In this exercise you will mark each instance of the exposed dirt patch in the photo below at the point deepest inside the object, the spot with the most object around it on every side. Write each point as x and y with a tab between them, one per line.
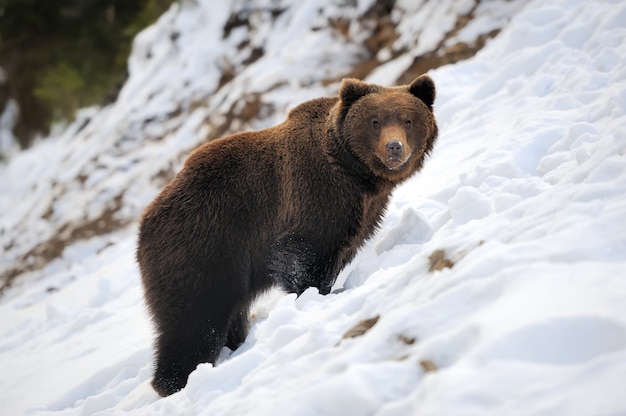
428	366
442	55
406	340
67	235
383	35
361	328
449	55
439	261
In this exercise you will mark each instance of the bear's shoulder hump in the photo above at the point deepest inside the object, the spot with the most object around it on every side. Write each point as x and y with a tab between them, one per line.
316	108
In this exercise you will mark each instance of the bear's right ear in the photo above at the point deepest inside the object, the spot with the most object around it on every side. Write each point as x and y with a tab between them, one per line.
352	89
423	87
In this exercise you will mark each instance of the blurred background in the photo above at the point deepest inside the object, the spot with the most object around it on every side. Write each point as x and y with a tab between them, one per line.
57	56
60	55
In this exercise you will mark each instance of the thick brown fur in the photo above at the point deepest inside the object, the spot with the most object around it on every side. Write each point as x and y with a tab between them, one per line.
286	206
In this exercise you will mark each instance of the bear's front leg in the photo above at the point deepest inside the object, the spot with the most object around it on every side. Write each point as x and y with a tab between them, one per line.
296	265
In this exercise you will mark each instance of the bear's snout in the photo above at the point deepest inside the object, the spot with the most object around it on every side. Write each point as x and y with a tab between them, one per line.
395	149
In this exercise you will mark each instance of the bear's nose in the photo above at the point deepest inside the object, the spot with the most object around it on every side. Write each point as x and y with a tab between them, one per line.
395	149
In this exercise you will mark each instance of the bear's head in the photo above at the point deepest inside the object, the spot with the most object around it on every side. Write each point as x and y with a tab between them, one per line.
389	129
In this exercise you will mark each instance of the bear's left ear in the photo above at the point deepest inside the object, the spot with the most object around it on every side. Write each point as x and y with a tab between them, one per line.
423	87
352	89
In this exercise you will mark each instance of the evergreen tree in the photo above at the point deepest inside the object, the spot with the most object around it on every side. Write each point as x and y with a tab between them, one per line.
60	55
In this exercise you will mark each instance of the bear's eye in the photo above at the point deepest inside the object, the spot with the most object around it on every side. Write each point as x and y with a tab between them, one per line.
408	124
376	124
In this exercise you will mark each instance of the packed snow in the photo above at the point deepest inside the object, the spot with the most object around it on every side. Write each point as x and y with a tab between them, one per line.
495	286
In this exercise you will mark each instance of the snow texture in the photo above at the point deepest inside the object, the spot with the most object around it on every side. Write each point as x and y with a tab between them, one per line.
521	310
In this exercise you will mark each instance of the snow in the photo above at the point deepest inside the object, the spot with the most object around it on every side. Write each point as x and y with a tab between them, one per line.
8	119
524	195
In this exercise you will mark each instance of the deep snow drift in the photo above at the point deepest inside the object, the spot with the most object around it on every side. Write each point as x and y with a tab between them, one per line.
498	278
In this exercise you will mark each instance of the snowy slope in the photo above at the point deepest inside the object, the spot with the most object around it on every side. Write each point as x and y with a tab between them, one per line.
498	278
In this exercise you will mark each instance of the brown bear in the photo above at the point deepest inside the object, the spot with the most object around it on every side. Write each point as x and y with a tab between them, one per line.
288	206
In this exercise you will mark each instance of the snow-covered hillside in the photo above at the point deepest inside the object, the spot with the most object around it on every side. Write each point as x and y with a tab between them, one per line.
495	286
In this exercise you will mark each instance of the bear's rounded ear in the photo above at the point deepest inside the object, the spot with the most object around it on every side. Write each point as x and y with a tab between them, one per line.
423	87
352	89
